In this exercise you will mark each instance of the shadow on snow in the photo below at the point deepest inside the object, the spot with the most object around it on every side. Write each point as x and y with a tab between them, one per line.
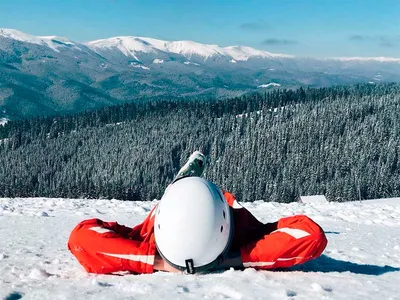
13	296
327	264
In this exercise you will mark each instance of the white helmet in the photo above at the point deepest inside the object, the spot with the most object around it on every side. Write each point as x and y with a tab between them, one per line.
193	226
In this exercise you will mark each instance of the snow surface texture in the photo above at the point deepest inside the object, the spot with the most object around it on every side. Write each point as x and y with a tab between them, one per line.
313	199
362	260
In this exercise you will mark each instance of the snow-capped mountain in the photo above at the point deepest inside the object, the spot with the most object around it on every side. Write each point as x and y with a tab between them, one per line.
376	59
53	42
51	74
133	46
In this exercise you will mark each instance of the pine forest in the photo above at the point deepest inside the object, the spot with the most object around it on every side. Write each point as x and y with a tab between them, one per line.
339	141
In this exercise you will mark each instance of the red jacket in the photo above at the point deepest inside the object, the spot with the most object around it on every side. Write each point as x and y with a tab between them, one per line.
107	247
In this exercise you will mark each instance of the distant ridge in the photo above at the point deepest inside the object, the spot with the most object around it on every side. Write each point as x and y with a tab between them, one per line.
128	45
50	75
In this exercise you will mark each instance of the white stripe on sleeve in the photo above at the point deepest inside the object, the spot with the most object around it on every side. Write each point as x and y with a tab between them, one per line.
267	263
100	229
296	233
147	259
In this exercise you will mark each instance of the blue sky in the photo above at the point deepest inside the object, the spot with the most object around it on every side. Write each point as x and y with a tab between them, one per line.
304	27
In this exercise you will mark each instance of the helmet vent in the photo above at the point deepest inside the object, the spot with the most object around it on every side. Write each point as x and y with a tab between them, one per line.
223	213
222	228
159	227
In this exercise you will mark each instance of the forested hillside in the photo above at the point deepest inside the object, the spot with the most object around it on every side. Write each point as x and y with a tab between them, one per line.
340	141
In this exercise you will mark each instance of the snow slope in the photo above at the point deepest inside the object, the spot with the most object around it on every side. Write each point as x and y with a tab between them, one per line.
53	42
268	85
132	46
362	260
378	59
3	121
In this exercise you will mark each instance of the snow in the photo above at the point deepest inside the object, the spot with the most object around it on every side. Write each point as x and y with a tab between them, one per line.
312	199
53	42
362	260
386	201
3	121
136	65
243	53
131	46
4	141
128	45
190	48
114	124
190	63
258	112
268	85
19	36
158	61
368	59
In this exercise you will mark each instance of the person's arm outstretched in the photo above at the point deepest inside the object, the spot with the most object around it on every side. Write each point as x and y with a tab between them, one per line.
105	247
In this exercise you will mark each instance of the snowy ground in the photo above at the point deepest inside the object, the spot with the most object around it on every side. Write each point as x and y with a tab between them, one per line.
362	260
3	121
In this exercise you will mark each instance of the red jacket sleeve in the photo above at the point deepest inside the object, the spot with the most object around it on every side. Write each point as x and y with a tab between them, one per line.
296	240
246	226
107	247
290	241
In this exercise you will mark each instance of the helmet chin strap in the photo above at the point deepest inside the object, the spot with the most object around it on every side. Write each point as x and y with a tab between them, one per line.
190	266
191	269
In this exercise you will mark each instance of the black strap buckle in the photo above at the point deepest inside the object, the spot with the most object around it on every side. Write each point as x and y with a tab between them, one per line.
190	266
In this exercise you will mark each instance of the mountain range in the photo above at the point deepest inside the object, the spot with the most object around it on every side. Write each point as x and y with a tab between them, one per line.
54	75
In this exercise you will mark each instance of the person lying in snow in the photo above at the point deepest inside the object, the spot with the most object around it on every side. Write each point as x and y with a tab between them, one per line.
196	227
